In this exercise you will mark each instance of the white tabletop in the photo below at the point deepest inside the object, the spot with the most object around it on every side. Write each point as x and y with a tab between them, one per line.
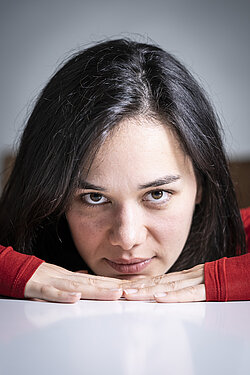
122	337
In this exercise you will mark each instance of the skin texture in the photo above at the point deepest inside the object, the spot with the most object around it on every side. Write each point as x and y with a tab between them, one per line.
122	217
184	286
124	221
53	283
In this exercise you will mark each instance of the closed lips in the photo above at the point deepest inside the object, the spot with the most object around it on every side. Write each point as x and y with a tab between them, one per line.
129	266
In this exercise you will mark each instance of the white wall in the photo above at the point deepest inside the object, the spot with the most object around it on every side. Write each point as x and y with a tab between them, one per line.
210	37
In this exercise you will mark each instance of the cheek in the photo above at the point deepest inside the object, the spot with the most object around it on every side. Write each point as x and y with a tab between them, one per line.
172	230
87	232
171	235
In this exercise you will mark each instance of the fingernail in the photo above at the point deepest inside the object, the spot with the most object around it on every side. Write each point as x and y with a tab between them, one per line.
75	294
130	291
159	295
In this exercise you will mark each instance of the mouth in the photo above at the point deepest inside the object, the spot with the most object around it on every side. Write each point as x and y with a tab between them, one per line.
129	266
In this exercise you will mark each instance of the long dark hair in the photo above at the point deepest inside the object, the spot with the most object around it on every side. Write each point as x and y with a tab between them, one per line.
77	109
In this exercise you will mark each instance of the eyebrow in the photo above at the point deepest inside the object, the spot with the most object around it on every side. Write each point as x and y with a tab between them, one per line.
155	183
86	185
160	181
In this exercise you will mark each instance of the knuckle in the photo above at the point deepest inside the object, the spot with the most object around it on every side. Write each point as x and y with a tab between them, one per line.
159	279
74	285
173	285
44	290
91	281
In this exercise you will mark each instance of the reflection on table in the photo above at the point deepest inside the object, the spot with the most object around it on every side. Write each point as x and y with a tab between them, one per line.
124	337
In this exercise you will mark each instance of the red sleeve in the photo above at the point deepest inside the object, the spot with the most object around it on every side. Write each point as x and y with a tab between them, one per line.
228	279
15	271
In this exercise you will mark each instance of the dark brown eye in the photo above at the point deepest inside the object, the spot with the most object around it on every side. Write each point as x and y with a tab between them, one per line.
158	194
95	197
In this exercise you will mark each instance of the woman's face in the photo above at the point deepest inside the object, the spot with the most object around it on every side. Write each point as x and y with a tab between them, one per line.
134	214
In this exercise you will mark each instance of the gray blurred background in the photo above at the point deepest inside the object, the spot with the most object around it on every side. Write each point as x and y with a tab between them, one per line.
210	37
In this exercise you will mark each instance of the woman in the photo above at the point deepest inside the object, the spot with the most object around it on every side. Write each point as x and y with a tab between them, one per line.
121	172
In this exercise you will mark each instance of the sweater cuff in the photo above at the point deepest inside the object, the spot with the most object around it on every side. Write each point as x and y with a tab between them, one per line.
16	270
215	280
228	279
238	278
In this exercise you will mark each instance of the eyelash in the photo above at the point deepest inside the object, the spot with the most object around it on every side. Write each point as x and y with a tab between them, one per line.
153	201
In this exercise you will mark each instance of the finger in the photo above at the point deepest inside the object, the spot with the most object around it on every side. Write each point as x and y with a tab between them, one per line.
94	293
190	294
88	289
50	293
156	280
60	272
197	271
139	294
145	293
98	281
70	291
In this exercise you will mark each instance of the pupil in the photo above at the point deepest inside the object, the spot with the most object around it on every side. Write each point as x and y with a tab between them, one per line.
95	197
157	194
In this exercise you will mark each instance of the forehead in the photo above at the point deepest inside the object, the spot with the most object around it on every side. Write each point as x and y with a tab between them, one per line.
140	147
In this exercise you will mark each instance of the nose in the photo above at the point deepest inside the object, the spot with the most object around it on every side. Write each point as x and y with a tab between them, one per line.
128	228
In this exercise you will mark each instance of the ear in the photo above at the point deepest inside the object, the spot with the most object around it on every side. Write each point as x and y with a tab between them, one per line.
198	193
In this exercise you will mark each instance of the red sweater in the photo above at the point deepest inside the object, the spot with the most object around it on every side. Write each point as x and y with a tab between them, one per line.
226	279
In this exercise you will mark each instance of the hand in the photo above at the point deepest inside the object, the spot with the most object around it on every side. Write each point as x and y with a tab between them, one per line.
183	286
53	283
